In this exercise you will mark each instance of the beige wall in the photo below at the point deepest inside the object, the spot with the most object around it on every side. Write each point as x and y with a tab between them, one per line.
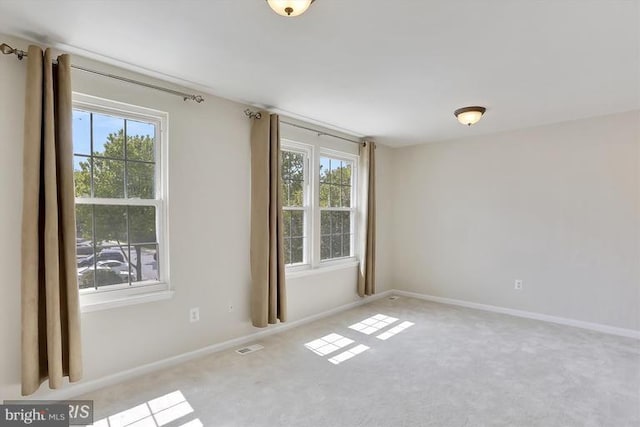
555	206
209	195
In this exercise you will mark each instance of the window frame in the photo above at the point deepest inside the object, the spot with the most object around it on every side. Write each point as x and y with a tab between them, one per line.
124	294
338	155
313	211
307	152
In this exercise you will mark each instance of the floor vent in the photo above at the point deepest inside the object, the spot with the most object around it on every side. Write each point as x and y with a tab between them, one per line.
249	349
394	297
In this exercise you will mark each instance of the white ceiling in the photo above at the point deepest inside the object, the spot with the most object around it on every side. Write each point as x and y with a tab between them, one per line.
394	70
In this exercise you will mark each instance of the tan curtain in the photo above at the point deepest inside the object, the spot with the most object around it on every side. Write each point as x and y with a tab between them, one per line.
367	223
50	308
268	293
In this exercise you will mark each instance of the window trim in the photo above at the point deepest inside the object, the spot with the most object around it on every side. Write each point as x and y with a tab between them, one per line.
312	184
120	295
307	151
338	155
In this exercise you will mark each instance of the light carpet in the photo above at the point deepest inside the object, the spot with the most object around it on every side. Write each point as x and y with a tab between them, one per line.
444	366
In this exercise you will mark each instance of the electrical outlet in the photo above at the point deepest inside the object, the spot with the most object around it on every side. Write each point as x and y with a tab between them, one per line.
194	314
518	285
230	307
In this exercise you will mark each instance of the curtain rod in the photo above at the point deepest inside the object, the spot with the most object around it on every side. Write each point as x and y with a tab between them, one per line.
8	50
258	115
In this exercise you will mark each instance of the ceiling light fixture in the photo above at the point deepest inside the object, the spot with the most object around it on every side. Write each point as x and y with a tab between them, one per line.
289	8
469	115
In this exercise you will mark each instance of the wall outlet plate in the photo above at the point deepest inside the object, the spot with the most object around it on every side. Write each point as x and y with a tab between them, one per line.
517	285
194	314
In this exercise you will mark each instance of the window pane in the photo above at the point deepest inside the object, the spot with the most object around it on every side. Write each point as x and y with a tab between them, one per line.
144	262
295	193
325	222
292	194
141	141
335	230
334	196
140	180
106	276
111	266
82	176
346	245
346	196
346	173
325	169
86	261
111	224
84	253
115	244
297	224
84	244
324	195
293	224
292	178
339	172
86	277
335	182
297	250
81	132
108	136
336	166
108	253
285	193
336	246
286	223
325	247
336	222
285	166
84	224
108	178
346	222
292	166
142	224
286	247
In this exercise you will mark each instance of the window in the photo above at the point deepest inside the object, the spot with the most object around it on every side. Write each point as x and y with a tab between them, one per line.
336	212
318	207
120	195
294	205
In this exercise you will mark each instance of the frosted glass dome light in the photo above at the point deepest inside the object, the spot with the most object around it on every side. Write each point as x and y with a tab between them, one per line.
469	115
290	8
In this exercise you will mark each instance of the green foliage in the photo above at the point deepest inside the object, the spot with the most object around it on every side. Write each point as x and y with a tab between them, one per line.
109	182
111	175
335	191
109	169
102	276
335	184
292	178
335	187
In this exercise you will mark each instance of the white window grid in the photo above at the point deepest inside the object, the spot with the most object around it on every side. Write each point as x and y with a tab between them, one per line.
333	155
312	241
160	120
306	206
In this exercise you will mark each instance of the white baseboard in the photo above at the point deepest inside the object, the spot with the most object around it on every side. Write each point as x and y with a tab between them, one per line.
82	387
629	333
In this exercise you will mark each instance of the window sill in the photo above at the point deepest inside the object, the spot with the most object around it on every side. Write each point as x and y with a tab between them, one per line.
325	268
98	301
